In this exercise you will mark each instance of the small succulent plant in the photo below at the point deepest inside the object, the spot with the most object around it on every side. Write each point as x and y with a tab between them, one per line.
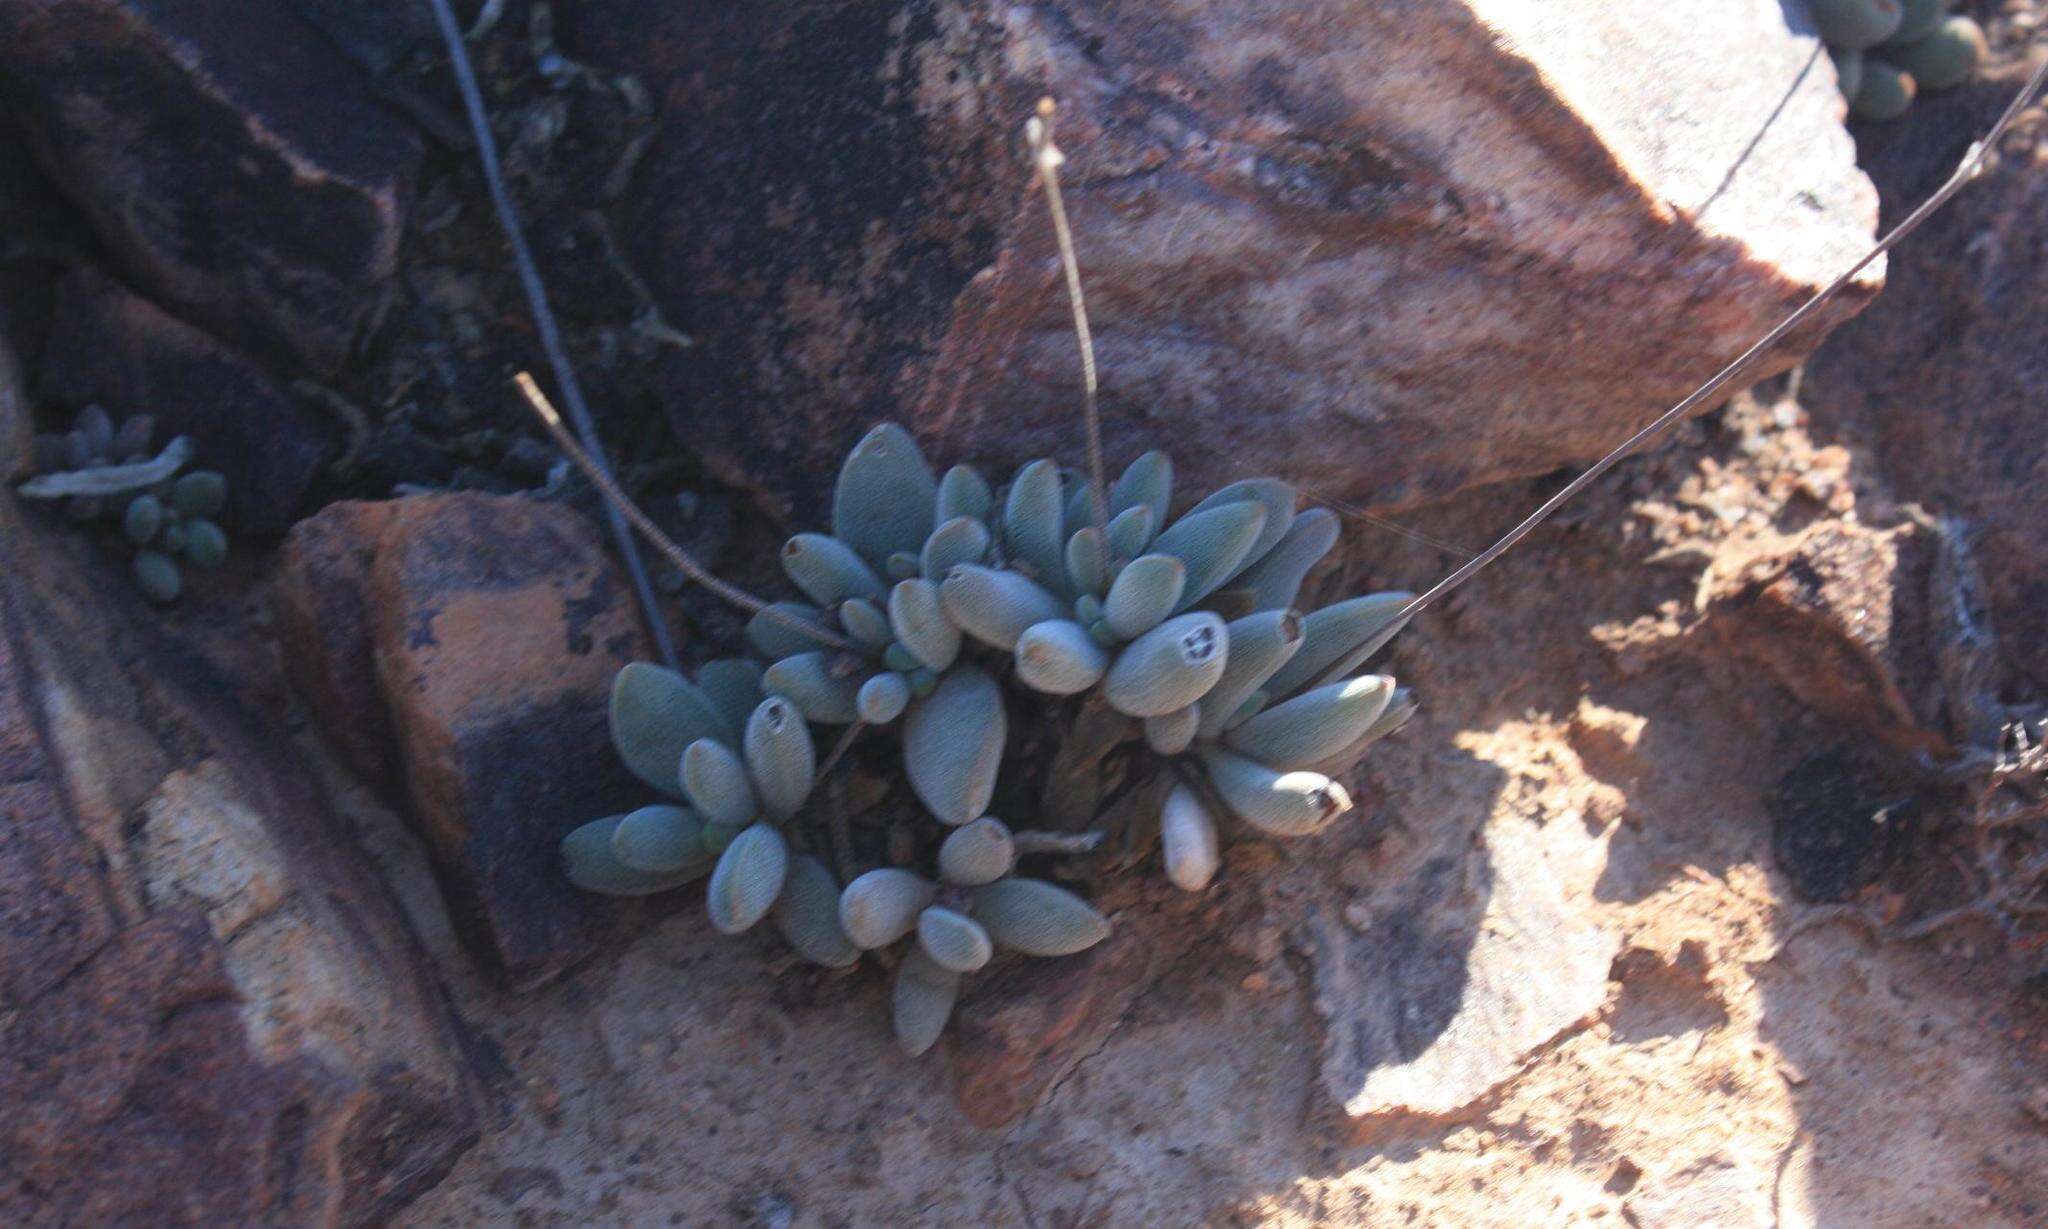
1143	680
97	471
1887	52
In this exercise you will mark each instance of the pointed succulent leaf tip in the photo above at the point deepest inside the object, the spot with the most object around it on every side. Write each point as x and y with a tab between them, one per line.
953	744
1856	24
995	605
921	1002
1087	562
1058	658
1338	638
748	879
918	617
1187	839
953	940
865	622
964	492
886	496
1147	483
1214	543
1169	667
881	906
1281	803
655	714
773	637
1032	522
824	685
1037	918
1259	645
883	698
1171	733
960	540
142	520
808	915
203	492
1314	725
1145	592
977	853
1275	496
827	570
1399	709
593	866
1942	59
1130	532
780	757
1275	580
659	839
734	687
716	783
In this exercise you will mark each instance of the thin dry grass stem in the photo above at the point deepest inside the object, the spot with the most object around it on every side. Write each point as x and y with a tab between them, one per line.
1046	157
627	509
1972	161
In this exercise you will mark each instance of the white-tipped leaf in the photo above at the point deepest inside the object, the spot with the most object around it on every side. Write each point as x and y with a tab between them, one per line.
1280	803
921	1002
977	853
716	782
1187	839
1314	725
780	757
808	914
1259	645
886	496
953	744
880	907
748	879
655	713
1037	918
1143	594
1060	658
995	605
953	940
1169	667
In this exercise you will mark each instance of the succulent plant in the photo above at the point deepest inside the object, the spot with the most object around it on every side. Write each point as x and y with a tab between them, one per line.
96	470
1888	52
1155	665
1883	91
1942	58
1857	25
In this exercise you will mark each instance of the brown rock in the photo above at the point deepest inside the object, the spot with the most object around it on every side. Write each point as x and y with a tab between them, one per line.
1386	250
1024	1026
1839	616
476	637
323	619
110	347
239	168
215	1014
1943	379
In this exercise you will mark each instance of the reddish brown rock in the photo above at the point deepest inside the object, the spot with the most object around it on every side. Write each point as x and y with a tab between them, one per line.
476	637
1943	378
1839	616
1023	1026
236	164
110	347
1388	250
214	1013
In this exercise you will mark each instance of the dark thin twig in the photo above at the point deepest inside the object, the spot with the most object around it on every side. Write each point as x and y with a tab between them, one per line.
630	513
1963	174
544	325
1047	158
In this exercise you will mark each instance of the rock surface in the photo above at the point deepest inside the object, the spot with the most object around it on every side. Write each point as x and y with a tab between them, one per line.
469	642
214	1013
1943	381
1387	250
109	347
239	168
